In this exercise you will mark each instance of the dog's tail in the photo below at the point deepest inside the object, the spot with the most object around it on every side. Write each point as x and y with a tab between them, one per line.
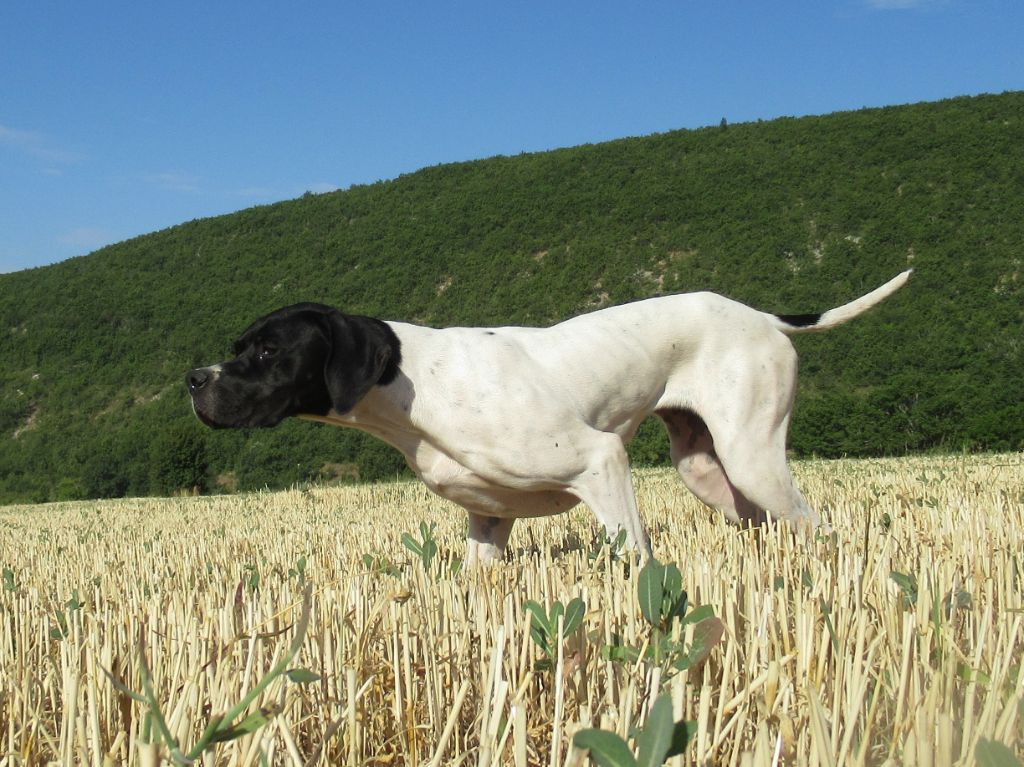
810	323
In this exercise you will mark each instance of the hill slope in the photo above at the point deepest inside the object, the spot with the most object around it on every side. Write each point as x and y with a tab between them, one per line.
791	215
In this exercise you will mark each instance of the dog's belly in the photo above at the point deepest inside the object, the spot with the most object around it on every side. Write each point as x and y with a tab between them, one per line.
451	480
497	501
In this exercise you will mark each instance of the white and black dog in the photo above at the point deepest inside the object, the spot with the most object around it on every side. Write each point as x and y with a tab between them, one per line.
516	422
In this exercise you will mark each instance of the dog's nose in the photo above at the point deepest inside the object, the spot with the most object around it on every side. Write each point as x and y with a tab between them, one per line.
197	379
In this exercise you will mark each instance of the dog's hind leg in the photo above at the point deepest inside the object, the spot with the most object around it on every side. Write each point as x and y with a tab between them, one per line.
745	420
754	459
757	466
693	455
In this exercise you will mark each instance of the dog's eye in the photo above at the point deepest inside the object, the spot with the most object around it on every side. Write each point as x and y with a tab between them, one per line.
266	352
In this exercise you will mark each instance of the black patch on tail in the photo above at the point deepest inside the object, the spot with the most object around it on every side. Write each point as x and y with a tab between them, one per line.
800	320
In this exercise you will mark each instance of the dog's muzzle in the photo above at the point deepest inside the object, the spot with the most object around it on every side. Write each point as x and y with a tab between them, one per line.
198	381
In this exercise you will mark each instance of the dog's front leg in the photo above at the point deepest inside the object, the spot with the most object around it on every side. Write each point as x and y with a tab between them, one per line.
487	538
607	488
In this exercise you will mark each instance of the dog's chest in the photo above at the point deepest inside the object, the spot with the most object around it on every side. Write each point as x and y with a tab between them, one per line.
453	481
448	478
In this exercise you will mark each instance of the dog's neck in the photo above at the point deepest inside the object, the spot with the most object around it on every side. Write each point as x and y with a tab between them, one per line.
383	412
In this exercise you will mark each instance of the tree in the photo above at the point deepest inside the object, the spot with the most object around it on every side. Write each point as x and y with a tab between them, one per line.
178	459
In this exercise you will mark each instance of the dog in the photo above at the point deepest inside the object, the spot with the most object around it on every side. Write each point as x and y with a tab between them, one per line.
512	422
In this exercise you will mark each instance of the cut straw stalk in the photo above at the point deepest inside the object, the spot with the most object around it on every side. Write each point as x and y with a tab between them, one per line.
392	672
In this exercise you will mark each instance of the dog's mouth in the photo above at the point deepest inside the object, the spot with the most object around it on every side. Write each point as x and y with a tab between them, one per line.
242	422
205	418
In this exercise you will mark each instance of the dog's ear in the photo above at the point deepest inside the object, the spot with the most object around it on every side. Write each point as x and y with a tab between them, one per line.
363	352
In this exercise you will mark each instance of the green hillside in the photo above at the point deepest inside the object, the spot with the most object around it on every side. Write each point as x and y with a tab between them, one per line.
790	215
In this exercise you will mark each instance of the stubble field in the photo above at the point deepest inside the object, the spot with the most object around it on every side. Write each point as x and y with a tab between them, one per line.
896	641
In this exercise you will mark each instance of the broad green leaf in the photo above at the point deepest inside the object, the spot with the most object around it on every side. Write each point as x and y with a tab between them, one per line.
654	741
540	617
650	591
962	600
674	599
907	584
540	627
574	613
619	653
430	547
675	609
706	635
557	609
968	674
410	543
606	748
992	753
698	614
540	638
826	613
302	676
806	580
673	579
682	733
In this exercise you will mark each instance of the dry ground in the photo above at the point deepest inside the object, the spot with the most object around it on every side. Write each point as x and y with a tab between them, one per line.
826	657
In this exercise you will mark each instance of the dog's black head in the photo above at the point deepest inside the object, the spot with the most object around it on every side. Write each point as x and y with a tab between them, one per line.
306	359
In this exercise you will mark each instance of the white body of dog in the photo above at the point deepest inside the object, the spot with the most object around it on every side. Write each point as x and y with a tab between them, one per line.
514	422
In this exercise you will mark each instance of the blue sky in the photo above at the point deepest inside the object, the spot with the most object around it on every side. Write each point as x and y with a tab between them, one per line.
121	118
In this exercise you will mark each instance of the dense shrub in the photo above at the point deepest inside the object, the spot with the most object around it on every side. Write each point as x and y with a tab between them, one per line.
788	216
